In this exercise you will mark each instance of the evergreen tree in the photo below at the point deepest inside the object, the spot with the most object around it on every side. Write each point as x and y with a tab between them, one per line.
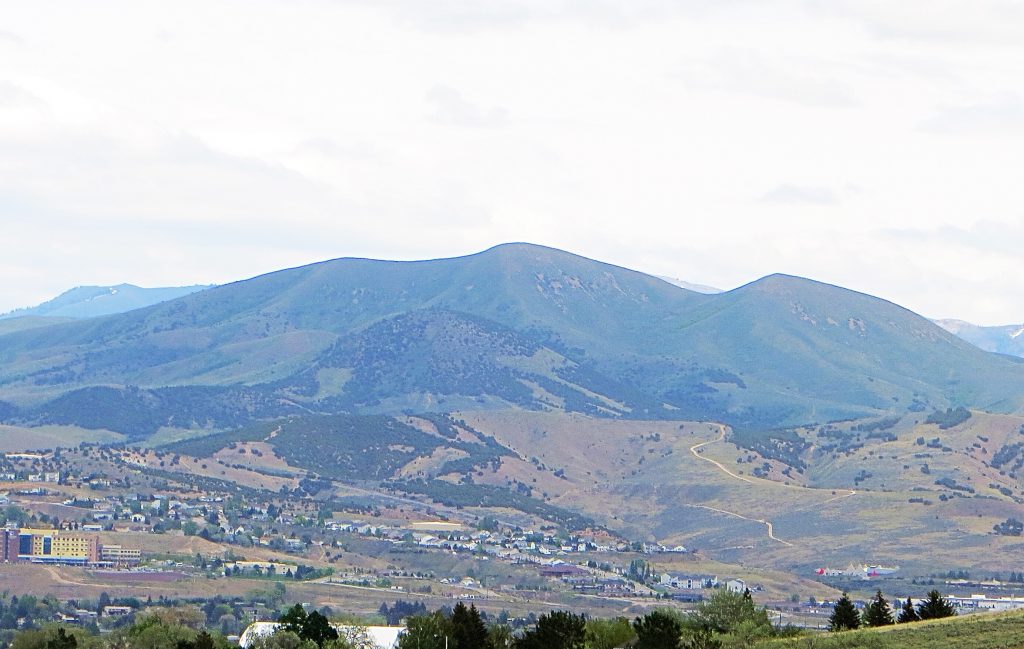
878	612
935	607
62	640
844	615
468	629
555	630
293	620
907	613
657	630
318	629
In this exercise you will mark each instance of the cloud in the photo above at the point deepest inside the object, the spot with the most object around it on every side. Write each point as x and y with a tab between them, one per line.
998	116
806	194
984	237
11	37
749	72
13	96
450	107
937	22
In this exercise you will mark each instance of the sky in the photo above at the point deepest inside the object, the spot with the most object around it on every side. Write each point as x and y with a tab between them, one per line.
874	145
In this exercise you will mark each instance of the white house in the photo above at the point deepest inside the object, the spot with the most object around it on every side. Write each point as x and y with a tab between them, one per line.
735	585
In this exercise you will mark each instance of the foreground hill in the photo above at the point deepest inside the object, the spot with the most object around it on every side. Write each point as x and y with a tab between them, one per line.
517	325
980	631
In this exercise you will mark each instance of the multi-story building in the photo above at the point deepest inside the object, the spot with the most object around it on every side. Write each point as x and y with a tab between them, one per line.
119	555
55	546
62	547
9	545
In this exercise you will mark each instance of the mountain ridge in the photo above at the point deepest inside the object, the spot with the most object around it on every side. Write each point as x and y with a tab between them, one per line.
516	325
93	301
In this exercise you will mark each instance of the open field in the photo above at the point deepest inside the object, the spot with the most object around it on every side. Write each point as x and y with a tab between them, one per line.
77	583
19	438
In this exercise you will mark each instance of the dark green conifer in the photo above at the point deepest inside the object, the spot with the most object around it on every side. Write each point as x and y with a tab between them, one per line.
878	612
844	615
907	613
935	607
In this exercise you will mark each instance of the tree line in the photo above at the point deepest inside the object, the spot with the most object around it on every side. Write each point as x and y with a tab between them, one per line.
879	612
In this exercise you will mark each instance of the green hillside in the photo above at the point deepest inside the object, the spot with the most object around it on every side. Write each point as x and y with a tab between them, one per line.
981	631
515	326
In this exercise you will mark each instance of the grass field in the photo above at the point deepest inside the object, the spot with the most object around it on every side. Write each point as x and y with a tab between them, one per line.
18	438
979	631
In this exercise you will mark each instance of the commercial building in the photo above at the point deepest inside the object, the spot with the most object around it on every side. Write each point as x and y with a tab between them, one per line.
119	556
62	547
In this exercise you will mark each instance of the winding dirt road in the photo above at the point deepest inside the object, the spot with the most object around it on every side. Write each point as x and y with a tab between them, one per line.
770	527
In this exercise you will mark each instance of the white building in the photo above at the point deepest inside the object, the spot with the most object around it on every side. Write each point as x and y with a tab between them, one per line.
364	637
735	585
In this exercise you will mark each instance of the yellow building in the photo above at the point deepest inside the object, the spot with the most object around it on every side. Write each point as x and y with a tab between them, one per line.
58	545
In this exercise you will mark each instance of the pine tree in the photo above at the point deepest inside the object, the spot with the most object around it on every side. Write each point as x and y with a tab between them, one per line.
935	607
657	630
844	615
878	612
468	629
908	613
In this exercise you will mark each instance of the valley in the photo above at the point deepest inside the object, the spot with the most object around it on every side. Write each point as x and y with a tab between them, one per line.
576	435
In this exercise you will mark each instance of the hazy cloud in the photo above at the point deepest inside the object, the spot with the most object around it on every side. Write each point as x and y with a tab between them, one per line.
752	73
13	96
811	195
450	107
1001	115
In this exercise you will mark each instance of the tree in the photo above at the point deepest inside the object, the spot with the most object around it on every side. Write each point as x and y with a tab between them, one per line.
701	639
468	629
844	615
608	633
935	607
908	613
293	620
499	636
878	612
280	639
555	630
657	630
318	629
725	611
62	640
425	632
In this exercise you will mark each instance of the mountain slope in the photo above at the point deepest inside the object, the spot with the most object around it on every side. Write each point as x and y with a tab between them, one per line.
1008	339
517	325
92	301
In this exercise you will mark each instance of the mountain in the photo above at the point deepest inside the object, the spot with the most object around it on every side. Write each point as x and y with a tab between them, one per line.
92	301
698	288
518	326
1007	339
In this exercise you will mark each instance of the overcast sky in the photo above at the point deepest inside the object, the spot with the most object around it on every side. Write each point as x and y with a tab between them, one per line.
874	145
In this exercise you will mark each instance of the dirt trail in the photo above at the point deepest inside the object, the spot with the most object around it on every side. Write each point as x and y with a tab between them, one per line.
695	451
768	524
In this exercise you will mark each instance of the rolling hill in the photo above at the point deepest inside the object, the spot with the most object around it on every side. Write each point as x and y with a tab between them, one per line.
518	326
